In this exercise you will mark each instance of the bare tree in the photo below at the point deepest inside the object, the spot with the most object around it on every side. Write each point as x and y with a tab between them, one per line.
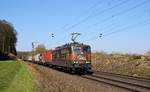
40	48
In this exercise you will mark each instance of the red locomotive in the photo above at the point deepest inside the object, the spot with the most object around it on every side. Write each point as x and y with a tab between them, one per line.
74	57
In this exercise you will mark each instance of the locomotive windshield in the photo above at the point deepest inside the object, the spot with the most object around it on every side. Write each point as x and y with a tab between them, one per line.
77	50
80	50
87	49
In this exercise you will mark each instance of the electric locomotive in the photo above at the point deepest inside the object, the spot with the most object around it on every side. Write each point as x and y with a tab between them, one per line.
75	57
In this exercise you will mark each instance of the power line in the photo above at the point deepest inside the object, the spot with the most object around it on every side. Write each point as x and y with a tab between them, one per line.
91	16
122	12
92	7
100	12
113	27
125	11
78	17
117	31
124	29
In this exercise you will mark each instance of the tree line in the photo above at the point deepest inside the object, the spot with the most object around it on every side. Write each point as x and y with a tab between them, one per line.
8	38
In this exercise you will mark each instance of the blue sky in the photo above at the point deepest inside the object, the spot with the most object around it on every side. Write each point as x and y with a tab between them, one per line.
124	24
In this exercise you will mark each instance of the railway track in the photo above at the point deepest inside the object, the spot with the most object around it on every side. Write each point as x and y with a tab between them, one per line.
127	82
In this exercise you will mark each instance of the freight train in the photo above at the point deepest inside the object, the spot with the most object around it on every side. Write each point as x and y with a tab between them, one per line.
74	57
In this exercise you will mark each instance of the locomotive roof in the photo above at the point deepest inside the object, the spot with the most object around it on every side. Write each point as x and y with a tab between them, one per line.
71	44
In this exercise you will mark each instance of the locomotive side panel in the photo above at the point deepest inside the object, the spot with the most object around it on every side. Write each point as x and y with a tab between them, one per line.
61	57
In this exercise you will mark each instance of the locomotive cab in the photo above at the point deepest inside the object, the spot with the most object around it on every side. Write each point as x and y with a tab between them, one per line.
82	57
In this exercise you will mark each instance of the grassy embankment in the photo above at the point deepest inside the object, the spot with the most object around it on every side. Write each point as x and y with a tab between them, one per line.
14	77
127	64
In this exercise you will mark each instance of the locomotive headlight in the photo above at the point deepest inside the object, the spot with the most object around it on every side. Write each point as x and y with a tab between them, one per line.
75	62
88	62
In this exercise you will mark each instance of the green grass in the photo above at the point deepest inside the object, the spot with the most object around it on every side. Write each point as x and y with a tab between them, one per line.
15	77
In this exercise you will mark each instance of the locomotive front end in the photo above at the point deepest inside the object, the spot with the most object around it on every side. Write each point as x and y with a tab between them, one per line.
82	58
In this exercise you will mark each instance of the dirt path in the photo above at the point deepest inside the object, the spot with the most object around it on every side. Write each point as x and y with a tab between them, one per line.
50	80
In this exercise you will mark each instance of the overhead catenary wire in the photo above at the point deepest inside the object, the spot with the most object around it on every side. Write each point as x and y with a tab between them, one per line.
124	29
61	30
121	13
127	10
113	27
94	15
117	31
78	17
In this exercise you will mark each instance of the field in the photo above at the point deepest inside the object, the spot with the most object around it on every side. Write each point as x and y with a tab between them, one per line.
127	64
14	77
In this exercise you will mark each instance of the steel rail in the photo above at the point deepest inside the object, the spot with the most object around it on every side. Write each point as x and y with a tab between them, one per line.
127	82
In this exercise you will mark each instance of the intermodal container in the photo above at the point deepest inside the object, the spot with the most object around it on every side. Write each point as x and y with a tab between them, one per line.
47	57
